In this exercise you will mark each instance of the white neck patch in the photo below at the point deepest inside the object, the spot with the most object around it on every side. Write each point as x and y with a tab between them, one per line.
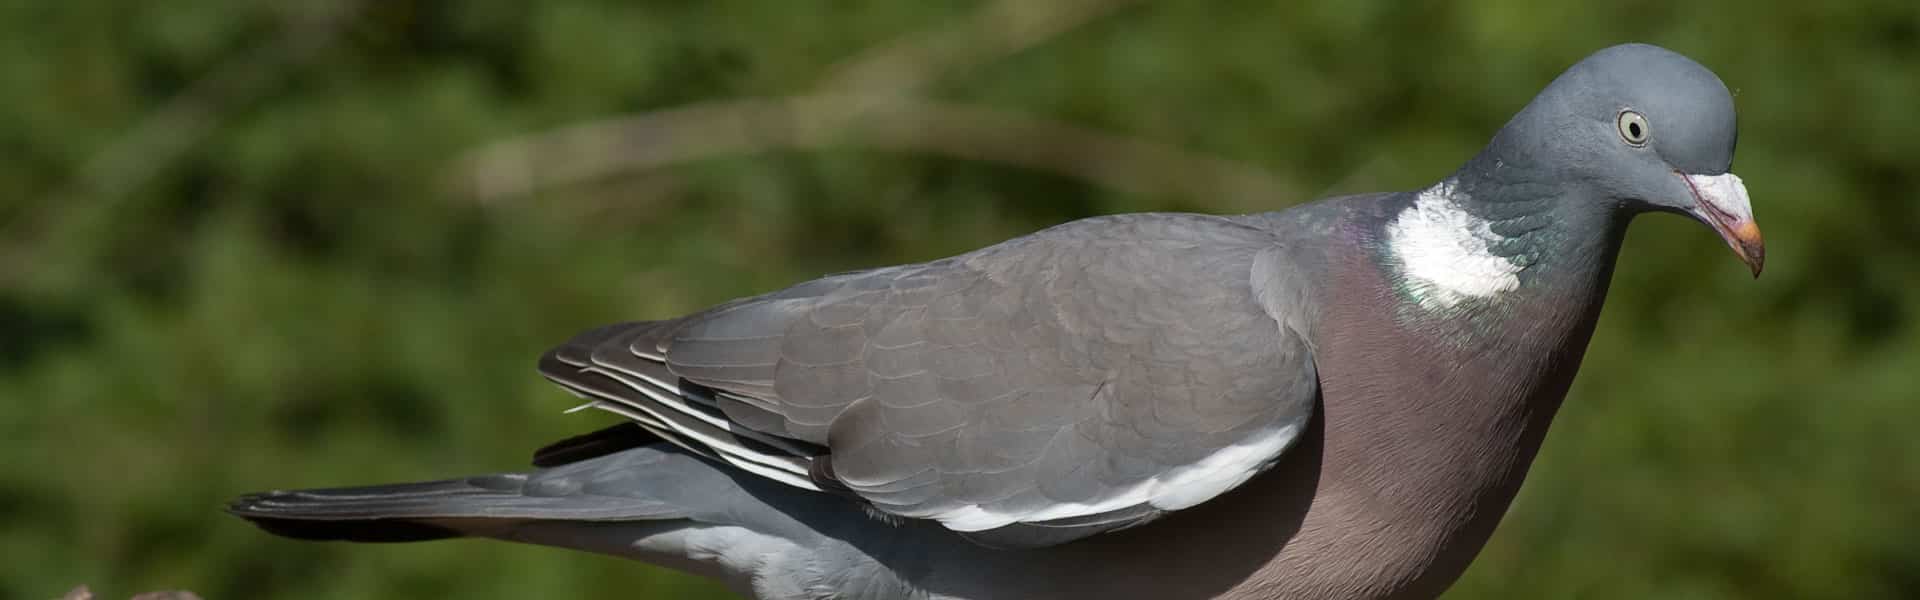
1445	253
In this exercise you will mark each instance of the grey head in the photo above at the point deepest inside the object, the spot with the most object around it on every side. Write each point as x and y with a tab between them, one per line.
1639	128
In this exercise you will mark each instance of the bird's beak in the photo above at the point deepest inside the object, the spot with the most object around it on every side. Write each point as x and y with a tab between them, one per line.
1721	202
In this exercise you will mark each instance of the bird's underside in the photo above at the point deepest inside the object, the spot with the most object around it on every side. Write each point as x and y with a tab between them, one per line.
1026	394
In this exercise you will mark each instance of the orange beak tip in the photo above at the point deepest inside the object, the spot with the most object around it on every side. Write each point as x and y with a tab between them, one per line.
1749	245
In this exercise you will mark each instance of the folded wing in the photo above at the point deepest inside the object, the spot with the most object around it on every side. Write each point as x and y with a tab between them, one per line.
1086	378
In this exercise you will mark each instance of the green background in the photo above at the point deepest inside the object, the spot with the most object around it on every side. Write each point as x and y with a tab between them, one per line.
248	245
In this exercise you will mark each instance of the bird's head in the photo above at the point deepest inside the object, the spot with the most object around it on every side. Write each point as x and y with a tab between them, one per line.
1645	129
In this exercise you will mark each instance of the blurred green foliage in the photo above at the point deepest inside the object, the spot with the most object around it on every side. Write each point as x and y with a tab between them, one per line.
236	256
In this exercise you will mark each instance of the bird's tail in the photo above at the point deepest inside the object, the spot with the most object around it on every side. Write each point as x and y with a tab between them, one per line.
619	487
654	502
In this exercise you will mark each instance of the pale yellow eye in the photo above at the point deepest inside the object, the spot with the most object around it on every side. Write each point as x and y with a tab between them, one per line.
1633	128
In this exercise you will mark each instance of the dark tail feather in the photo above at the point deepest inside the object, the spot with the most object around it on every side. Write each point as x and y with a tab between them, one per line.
376	513
607	488
369	530
593	445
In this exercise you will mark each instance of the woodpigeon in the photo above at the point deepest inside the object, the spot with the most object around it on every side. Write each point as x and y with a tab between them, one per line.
1333	401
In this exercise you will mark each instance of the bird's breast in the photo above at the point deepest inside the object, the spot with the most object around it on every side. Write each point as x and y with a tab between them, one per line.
1430	426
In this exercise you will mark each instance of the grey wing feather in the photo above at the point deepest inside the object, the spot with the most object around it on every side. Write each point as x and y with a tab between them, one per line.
598	365
1083	379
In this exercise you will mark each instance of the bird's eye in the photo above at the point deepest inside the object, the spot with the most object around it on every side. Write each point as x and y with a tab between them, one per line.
1633	128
